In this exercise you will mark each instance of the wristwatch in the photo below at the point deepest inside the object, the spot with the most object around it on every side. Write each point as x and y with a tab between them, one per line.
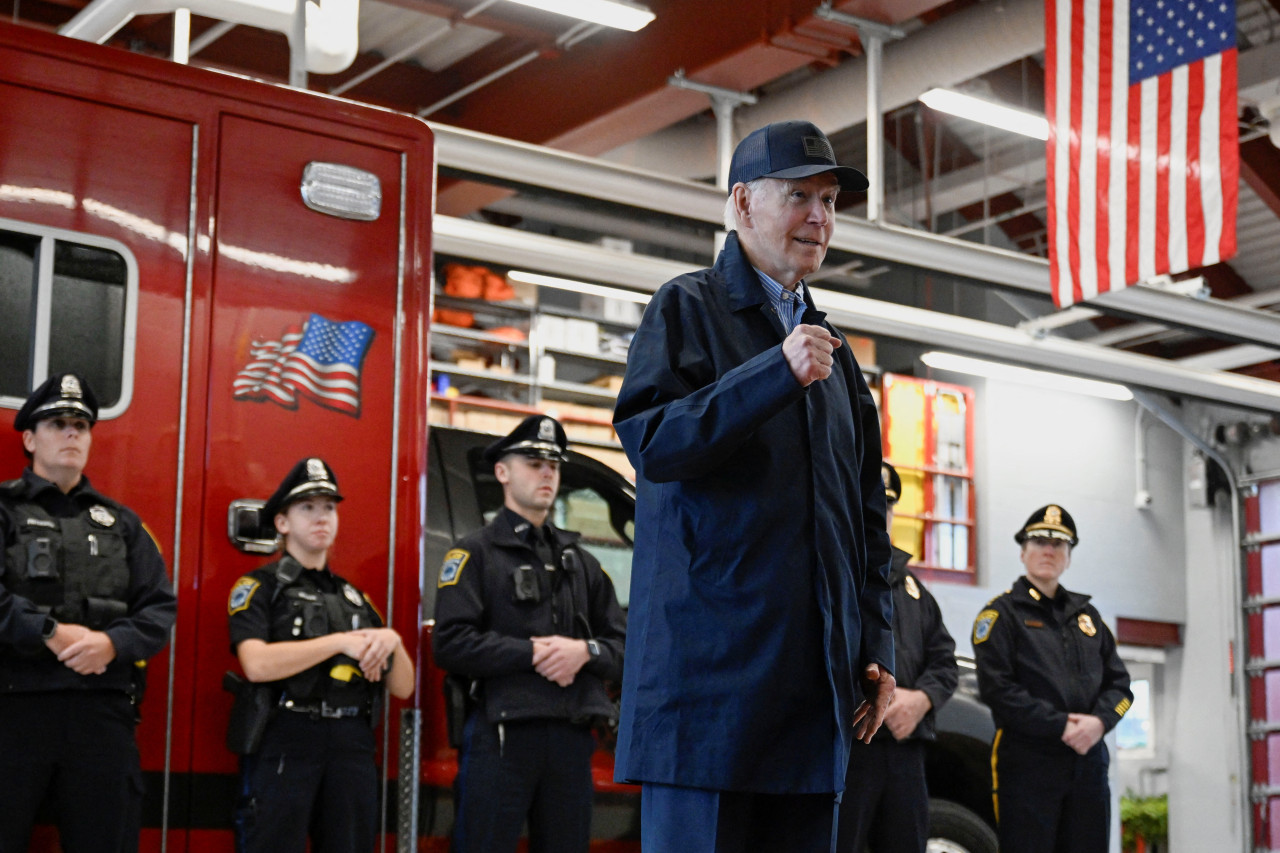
49	628
593	648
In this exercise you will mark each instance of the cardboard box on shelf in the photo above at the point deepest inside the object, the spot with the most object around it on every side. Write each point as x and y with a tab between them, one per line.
608	381
863	349
582	336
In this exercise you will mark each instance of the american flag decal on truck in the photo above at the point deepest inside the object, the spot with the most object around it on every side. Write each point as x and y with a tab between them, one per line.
319	359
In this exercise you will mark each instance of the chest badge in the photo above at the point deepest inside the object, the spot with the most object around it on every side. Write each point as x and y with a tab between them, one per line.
101	516
983	624
913	588
353	595
1086	625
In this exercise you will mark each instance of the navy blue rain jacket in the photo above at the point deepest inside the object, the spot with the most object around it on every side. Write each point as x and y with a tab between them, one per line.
760	586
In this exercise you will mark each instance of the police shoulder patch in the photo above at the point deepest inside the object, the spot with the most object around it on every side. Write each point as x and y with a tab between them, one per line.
983	624
454	562
241	594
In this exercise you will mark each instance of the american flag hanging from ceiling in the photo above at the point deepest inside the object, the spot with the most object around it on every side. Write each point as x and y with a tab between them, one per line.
1143	155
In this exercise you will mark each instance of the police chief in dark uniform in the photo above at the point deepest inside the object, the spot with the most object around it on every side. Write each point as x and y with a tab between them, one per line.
1049	670
84	602
529	615
322	647
886	801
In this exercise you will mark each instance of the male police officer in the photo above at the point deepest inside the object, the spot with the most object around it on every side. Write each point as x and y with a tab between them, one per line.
886	801
1048	667
84	601
528	614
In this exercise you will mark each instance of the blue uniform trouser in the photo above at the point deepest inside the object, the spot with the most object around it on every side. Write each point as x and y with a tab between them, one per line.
311	778
76	748
696	820
1048	799
885	803
539	770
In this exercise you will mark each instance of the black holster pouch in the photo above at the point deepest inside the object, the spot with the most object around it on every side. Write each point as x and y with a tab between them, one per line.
457	704
99	613
249	714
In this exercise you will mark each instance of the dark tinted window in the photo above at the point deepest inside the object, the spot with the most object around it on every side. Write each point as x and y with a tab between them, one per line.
87	294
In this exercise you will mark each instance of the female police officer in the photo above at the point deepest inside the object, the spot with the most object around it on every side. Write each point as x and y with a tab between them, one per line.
1048	667
321	646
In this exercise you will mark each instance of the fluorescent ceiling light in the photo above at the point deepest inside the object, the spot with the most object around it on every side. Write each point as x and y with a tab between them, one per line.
609	13
987	112
579	286
1026	376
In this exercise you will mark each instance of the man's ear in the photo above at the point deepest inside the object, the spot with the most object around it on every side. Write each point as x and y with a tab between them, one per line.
501	471
741	196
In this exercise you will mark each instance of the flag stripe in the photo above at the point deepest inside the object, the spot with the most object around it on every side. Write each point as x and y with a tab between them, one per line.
1191	188
1102	160
1073	148
1117	236
1228	153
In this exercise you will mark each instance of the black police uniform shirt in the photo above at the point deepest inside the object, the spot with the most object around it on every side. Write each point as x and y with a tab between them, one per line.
263	606
1040	658
924	651
110	577
494	593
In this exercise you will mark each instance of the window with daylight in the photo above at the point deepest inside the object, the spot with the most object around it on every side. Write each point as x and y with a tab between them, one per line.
67	299
927	432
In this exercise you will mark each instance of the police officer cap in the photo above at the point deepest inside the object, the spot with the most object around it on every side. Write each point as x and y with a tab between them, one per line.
790	149
539	436
1049	522
311	477
892	483
61	395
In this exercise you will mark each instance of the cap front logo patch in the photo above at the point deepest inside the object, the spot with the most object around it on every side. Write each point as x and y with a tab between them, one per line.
71	387
1053	515
547	430
315	470
816	146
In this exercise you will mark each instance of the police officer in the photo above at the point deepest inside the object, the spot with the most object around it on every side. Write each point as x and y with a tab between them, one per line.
321	645
84	602
1048	667
886	802
527	613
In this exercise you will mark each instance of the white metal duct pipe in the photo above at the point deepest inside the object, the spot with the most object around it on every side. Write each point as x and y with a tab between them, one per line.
332	25
561	257
972	42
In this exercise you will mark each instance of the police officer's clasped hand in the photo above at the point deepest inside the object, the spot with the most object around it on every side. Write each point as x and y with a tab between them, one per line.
375	646
906	711
808	351
87	654
559	658
877	685
1083	731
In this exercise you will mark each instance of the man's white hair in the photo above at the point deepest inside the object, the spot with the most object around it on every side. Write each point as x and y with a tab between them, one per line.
730	214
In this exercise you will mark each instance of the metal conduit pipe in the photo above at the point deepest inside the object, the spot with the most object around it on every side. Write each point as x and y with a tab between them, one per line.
859	314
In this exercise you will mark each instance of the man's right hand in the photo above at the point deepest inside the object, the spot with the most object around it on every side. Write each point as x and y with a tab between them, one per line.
64	635
808	351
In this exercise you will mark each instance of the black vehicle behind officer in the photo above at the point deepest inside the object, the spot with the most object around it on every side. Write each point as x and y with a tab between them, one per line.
886	801
531	617
84	602
320	645
1048	667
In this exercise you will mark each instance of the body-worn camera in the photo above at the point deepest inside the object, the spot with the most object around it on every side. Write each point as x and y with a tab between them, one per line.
526	584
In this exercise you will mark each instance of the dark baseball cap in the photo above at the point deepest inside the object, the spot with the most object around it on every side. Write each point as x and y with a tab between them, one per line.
790	149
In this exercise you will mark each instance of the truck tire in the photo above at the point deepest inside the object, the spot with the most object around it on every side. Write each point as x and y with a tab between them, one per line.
955	829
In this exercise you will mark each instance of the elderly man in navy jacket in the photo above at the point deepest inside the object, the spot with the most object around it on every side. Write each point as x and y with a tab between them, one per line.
759	593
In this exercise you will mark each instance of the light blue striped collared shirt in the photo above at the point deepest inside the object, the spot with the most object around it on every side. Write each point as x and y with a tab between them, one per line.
788	305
